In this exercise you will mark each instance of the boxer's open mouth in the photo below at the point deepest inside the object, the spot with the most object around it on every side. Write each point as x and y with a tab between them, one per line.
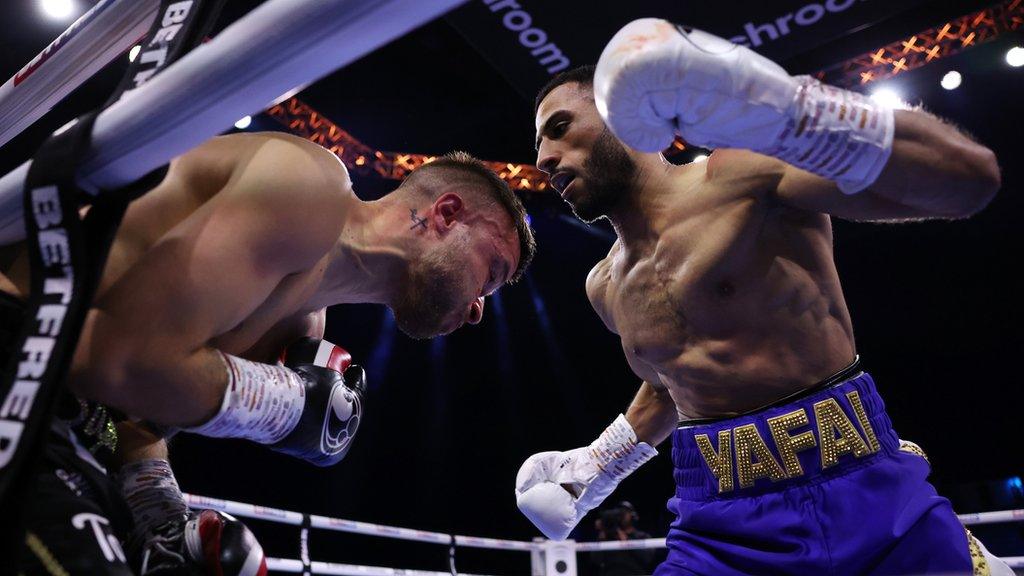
561	180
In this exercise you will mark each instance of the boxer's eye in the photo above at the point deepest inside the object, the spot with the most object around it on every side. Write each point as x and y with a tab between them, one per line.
559	130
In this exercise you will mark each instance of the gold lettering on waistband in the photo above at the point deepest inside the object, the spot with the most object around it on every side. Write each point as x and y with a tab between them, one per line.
719	462
749	444
862	417
788	445
831	418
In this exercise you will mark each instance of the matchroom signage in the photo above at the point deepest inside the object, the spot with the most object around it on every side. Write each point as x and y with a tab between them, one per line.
530	40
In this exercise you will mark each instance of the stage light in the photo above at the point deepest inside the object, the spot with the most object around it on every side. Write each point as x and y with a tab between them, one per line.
244	122
134	53
700	157
57	9
952	80
887	97
1015	56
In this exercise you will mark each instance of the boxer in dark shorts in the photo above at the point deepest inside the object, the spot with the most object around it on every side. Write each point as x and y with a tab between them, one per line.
723	289
238	252
77	518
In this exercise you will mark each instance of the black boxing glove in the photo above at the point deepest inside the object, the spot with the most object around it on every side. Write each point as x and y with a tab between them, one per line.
334	390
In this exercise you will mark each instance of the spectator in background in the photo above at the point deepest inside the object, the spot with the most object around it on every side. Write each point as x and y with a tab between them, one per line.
619	523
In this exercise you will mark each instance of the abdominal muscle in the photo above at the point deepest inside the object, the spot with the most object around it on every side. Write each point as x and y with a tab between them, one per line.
731	308
720	377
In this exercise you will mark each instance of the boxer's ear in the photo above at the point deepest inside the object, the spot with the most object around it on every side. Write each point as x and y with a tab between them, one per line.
448	209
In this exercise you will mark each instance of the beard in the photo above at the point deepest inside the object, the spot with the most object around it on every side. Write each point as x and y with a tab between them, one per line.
609	174
430	296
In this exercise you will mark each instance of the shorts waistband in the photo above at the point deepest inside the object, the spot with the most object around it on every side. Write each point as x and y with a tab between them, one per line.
822	434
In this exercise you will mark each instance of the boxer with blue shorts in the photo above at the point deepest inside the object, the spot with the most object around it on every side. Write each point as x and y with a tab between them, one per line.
818	484
723	289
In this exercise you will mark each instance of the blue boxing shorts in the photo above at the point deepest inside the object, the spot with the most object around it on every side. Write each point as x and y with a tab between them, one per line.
816	485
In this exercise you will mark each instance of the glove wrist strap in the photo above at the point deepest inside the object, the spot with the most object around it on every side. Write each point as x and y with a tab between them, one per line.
837	134
262	402
617	452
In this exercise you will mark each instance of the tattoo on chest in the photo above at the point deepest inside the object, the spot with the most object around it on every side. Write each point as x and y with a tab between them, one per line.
417	220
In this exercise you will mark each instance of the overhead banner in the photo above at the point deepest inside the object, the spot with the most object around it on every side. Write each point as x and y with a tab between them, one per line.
528	41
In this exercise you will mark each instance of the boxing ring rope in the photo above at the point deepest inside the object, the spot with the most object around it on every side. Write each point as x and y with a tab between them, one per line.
97	37
278	46
246	510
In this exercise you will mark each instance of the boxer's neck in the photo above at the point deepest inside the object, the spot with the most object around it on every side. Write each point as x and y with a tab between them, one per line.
637	218
370	261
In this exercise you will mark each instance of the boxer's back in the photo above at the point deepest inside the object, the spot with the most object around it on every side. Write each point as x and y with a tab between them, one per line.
731	300
192	181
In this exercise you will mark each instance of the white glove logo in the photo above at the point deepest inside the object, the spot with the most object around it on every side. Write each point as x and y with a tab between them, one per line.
340	421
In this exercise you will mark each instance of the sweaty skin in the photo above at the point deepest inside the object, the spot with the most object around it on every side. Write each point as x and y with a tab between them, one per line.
240	249
722	284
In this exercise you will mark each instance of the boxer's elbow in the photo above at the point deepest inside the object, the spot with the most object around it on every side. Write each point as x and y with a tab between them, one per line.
988	177
98	378
979	179
117	376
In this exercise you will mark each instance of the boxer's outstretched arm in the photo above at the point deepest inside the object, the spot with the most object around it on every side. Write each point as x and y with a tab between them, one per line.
656	80
144	347
934	171
652	414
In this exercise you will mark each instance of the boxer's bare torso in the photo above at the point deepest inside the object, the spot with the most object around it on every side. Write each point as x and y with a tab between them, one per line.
724	297
187	203
722	284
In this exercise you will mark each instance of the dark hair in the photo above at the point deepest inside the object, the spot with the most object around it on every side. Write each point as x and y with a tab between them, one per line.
461	167
582	75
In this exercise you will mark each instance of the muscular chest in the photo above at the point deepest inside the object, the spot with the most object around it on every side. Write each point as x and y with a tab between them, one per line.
646	303
690	285
260	329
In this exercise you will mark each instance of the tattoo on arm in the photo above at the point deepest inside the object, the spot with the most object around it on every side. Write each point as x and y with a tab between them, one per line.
417	221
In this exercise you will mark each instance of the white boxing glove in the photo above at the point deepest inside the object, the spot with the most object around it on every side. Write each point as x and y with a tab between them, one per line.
656	79
555	490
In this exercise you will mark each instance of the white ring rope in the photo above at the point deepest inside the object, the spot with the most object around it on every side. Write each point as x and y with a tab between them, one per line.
107	30
992	517
278	46
295	567
356	527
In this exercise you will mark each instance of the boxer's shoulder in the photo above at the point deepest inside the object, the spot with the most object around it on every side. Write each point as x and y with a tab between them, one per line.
303	164
289	196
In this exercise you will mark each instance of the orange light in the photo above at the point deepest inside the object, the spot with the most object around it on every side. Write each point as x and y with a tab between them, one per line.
929	45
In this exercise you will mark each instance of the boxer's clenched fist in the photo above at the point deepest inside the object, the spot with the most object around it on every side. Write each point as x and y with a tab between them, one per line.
555	490
656	79
334	401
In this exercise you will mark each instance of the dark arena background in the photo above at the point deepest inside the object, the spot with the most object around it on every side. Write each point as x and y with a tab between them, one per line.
936	305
